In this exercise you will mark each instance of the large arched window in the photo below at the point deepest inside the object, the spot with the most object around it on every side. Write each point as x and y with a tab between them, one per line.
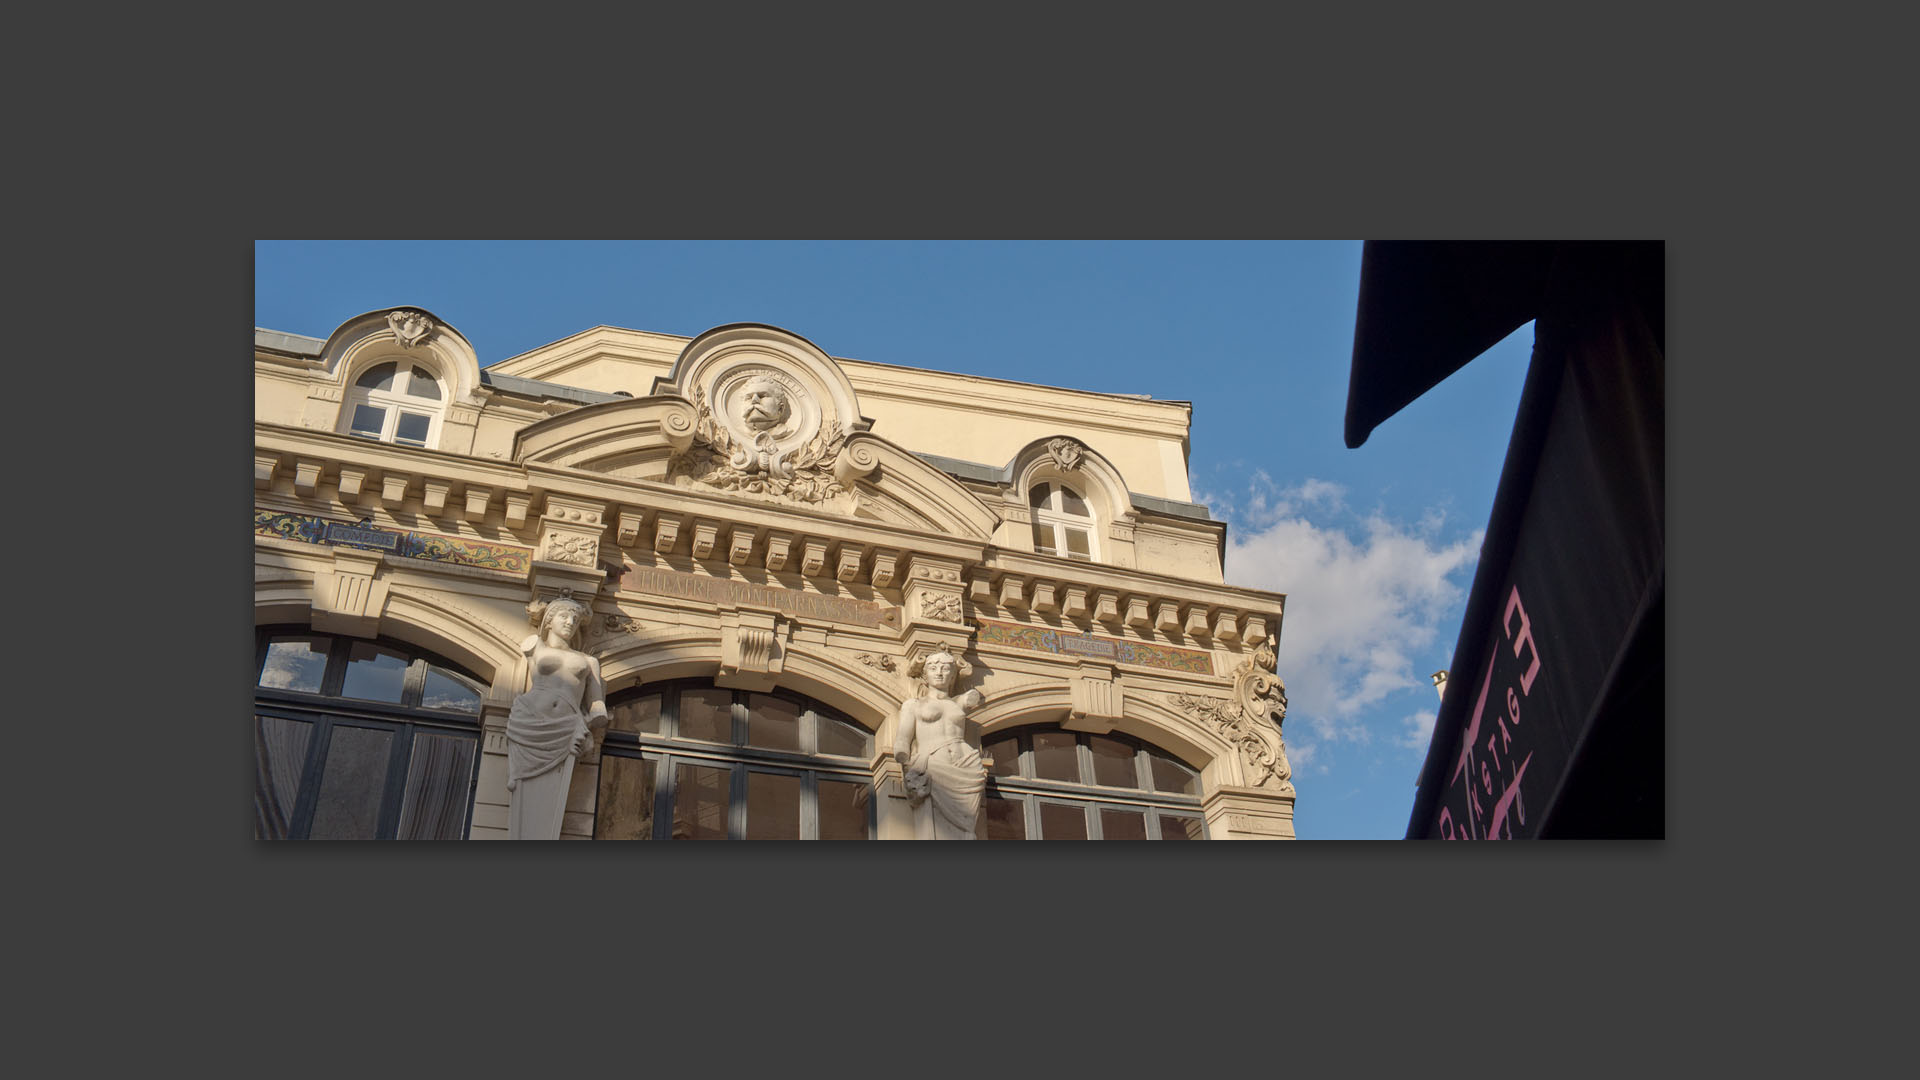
694	761
1063	524
396	403
1047	783
358	740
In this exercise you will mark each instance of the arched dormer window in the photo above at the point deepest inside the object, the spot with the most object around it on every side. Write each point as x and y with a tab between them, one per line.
1063	524
395	402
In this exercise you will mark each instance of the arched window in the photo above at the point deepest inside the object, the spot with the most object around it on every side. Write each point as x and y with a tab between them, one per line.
1062	522
1047	783
360	740
394	403
693	761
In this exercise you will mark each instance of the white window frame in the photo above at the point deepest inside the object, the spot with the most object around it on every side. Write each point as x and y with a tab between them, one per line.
392	401
1056	516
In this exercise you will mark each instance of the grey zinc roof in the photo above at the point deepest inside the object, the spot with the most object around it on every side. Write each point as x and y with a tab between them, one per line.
1003	474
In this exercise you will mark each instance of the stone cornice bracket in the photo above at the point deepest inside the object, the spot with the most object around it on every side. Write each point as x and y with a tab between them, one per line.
753	648
350	598
1251	720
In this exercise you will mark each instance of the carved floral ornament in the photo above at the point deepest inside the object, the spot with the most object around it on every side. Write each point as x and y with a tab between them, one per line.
410	328
1066	452
941	607
1251	719
578	550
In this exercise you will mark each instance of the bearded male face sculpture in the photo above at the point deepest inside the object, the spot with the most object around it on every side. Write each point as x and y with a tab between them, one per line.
763	404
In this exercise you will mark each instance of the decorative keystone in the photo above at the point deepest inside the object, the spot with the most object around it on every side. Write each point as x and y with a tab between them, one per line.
778	546
705	533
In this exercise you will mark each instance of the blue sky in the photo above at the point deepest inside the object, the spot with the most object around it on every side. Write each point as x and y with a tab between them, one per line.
1375	547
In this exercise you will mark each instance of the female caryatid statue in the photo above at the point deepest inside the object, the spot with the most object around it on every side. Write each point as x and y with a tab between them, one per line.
548	727
945	777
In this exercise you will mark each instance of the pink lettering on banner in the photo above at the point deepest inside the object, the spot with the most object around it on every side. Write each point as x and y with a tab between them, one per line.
1525	638
1510	799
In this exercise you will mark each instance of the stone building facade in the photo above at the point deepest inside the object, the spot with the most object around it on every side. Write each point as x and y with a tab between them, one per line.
768	543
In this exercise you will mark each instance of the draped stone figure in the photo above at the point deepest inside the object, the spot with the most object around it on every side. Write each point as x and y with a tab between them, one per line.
945	777
549	726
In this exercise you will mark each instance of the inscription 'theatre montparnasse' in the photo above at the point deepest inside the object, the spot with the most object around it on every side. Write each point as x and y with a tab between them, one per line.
712	590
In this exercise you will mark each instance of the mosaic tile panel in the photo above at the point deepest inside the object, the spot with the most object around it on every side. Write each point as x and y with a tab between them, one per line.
432	547
1066	643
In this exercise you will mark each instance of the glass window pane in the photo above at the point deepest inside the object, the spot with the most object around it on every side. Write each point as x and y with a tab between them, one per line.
1171	776
1006	819
773	723
369	420
1062	822
413	428
1077	546
352	785
842	739
625	808
773	806
1037	498
1112	762
1122	824
439	783
1073	504
639	716
445	690
295	664
707	713
1054	756
1181	827
378	377
280	754
1005	753
1043	538
699	802
374	673
843	810
420	383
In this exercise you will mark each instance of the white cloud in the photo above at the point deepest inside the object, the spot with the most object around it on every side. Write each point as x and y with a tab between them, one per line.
1365	596
1419	729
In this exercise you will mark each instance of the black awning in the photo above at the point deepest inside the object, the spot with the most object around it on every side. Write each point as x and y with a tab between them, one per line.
1553	721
